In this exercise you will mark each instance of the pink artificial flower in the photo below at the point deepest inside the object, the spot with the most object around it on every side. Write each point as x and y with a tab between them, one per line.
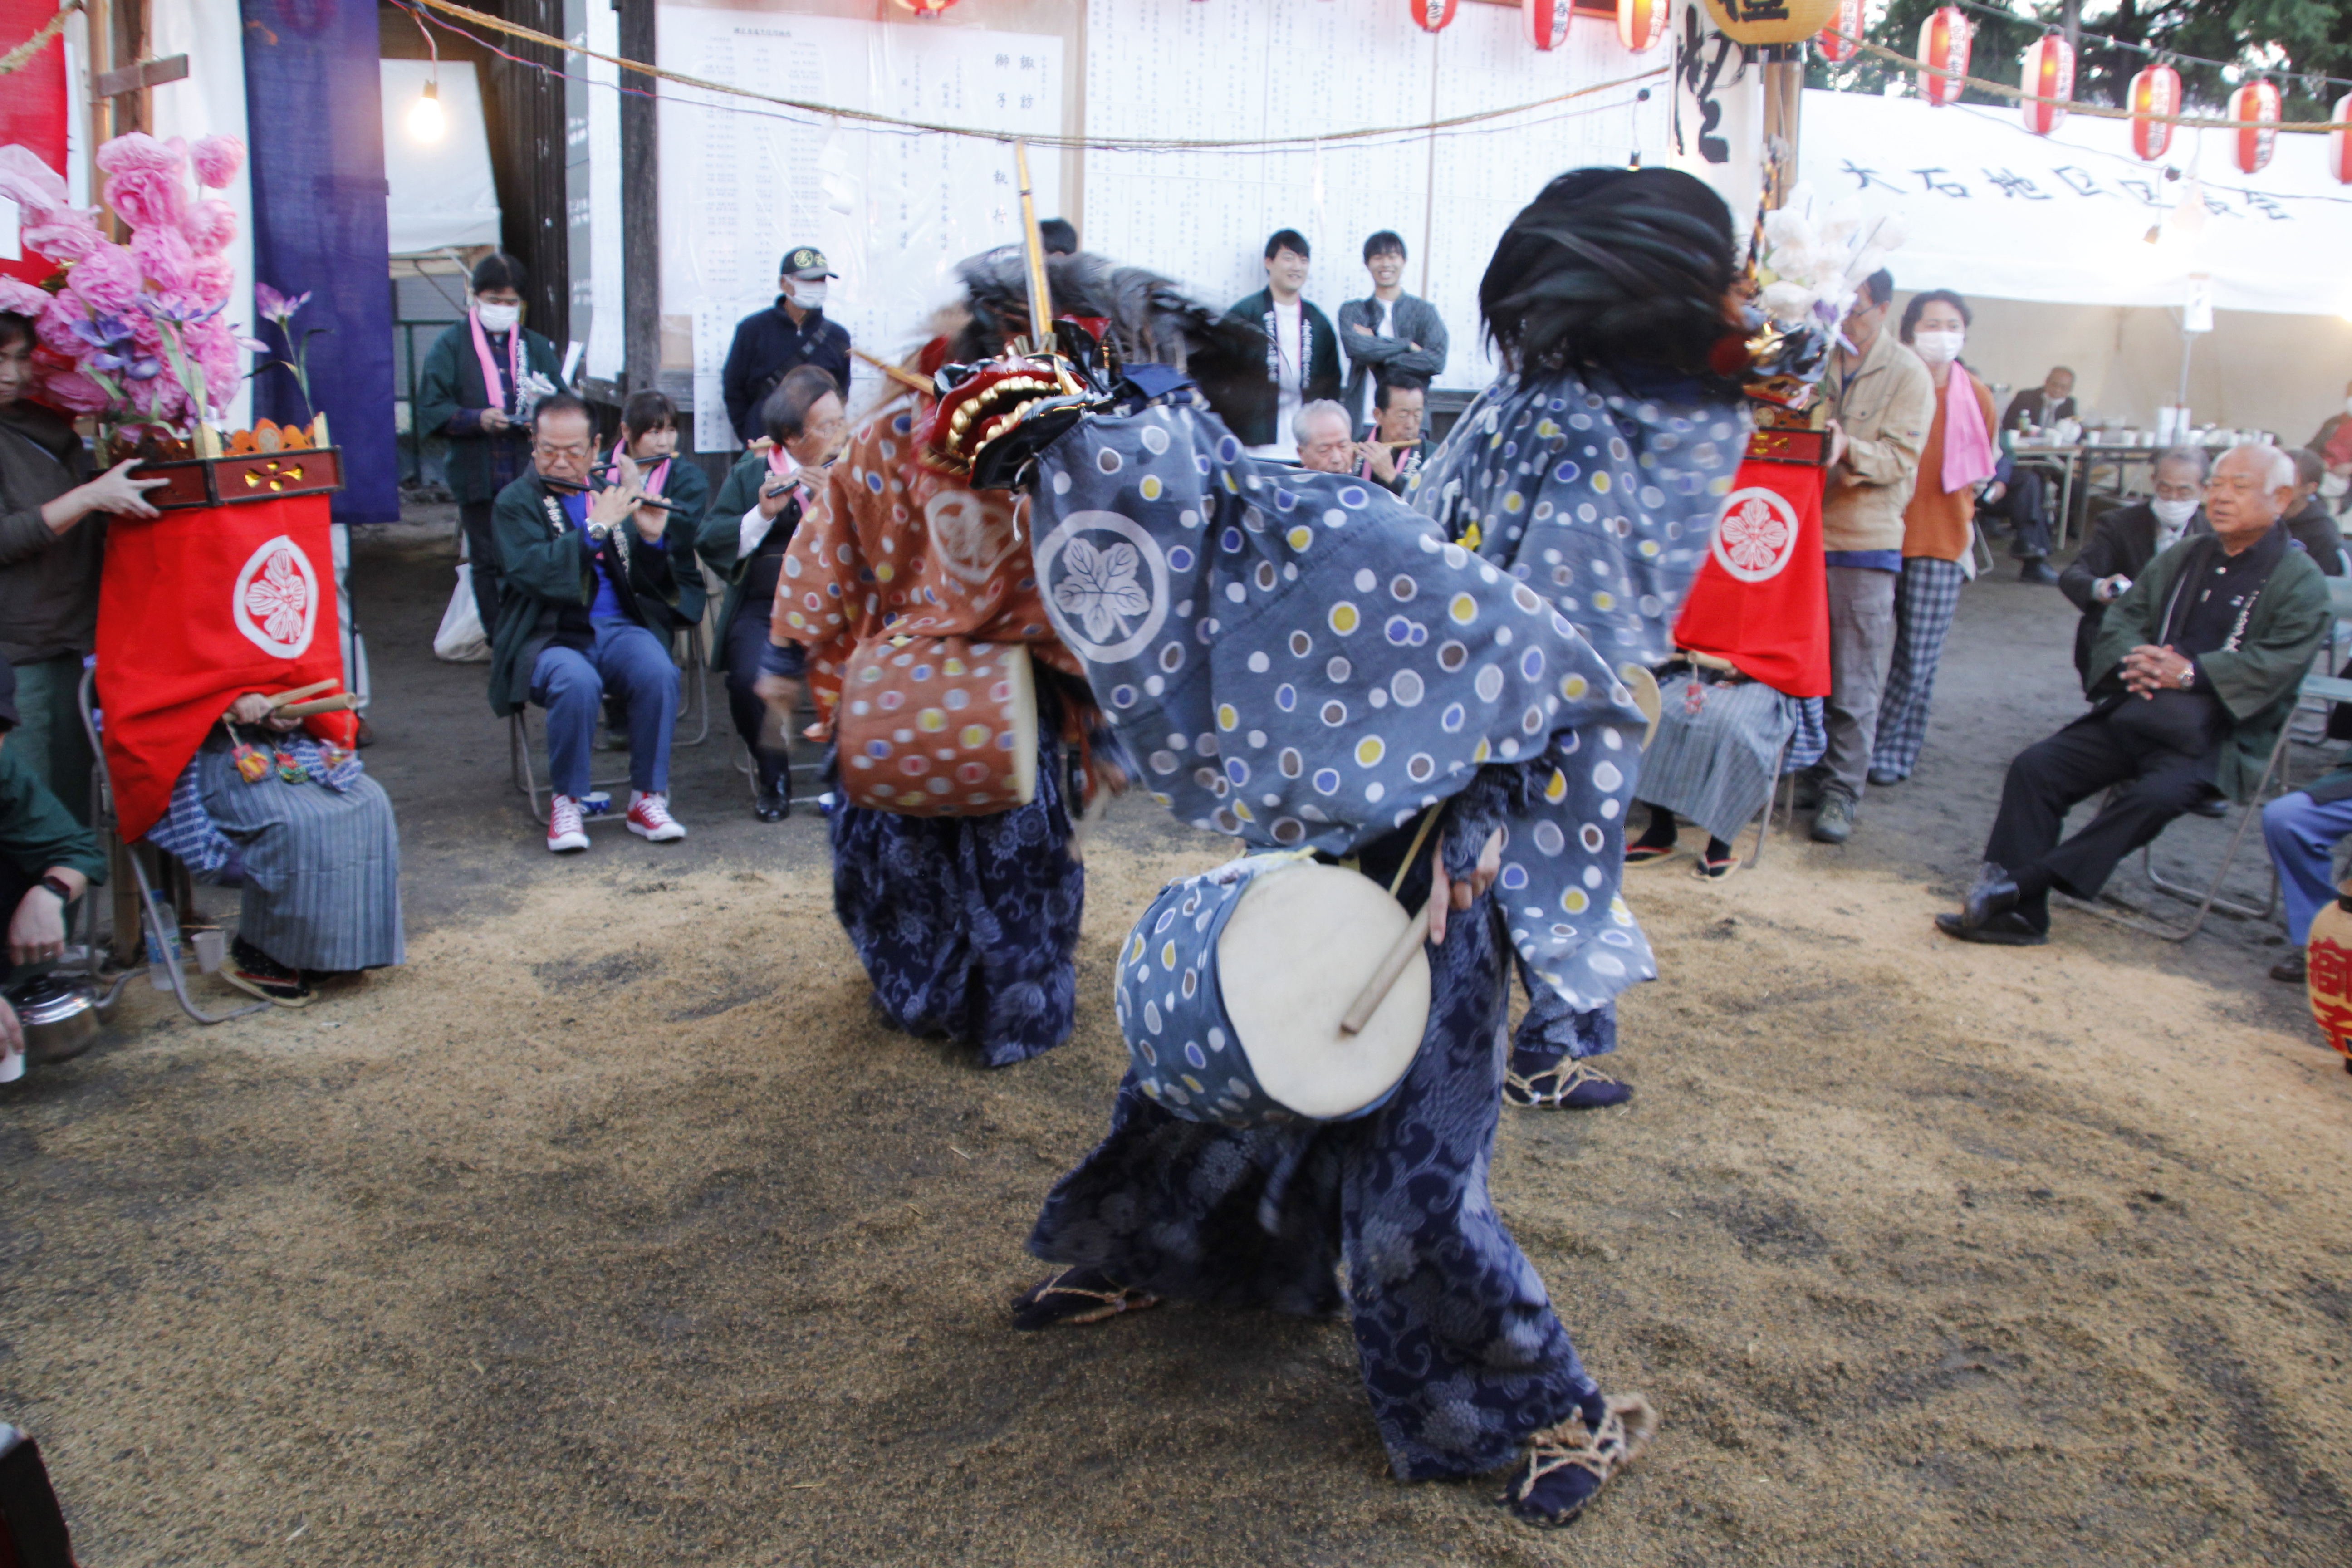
66	234
23	298
211	226
217	159
148	199
137	149
55	326
73	392
164	258
106	280
216	276
29	183
214	347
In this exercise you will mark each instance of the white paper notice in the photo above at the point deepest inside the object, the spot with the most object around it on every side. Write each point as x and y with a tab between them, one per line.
743	183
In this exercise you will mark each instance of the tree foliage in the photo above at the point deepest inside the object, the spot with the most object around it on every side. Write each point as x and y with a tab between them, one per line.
2298	44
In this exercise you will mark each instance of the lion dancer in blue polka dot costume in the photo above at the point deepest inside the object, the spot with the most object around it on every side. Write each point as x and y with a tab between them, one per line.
1593	467
1297	661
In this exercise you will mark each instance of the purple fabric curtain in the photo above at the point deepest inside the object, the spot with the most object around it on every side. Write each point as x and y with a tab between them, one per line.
313	96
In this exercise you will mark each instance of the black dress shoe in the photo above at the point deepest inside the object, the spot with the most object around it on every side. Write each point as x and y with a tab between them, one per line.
773	805
1880	778
2212	805
2036	571
1994	895
2008	930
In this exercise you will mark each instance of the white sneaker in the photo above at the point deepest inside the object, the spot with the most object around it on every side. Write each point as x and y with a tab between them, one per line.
649	817
563	826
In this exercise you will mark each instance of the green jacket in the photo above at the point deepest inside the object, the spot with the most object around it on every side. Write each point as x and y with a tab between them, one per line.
722	538
451	396
2257	681
36	831
546	573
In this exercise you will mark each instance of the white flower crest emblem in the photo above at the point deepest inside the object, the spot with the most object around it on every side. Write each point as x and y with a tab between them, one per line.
1101	587
276	601
1756	535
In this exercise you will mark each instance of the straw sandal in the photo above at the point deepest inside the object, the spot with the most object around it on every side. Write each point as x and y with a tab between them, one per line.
1569	1083
1567	1465
1076	1295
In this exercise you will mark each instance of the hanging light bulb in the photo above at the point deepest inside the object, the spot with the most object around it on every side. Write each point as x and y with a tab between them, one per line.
425	121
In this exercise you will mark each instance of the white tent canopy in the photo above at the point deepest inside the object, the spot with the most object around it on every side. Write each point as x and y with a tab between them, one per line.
1994	210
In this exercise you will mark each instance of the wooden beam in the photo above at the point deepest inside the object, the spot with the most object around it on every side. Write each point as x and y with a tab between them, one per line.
141	77
640	206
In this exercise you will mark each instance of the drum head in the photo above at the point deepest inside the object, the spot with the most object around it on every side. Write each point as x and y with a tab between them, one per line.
1022	720
1291	959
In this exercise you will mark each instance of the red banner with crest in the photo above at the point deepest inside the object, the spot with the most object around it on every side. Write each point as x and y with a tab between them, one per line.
1761	599
196	608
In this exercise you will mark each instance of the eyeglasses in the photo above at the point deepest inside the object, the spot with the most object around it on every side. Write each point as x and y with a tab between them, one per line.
569	449
2236	485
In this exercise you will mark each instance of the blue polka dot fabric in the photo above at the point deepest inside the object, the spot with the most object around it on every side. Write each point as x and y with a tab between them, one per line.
1599	494
1301	662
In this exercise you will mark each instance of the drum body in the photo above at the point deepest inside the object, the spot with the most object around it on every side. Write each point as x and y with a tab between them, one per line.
938	727
1231	986
2328	974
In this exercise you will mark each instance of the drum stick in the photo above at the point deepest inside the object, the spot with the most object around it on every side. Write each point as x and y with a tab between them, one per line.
1376	990
340	702
1085	824
299	692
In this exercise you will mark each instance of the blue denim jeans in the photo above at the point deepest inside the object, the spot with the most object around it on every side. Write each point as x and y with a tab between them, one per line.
635	666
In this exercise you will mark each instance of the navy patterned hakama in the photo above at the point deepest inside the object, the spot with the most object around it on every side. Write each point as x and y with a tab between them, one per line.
1462	1355
968	926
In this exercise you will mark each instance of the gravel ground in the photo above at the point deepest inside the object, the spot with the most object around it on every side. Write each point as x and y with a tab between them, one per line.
613	1229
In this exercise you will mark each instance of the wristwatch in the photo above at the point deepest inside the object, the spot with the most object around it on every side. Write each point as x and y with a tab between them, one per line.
2189	675
57	885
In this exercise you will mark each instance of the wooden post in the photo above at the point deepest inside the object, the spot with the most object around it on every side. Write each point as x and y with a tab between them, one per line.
640	208
1784	86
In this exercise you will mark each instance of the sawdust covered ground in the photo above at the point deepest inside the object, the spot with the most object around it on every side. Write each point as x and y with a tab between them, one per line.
612	1229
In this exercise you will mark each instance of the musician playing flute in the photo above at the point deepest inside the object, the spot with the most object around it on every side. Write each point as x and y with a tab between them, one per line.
1298	661
596	585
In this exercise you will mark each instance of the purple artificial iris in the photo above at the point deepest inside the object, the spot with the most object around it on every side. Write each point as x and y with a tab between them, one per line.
278	308
178	310
115	350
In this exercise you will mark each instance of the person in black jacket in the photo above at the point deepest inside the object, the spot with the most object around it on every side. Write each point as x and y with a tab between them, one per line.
2126	538
792	331
1302	351
744	538
2310	524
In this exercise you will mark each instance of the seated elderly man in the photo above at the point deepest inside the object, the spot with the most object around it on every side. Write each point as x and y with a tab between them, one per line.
46	859
2200	660
2127	538
1394	449
1326	436
309	837
593	586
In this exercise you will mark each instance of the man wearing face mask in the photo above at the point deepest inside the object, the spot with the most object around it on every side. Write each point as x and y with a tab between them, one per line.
792	333
1882	401
480	381
2127	538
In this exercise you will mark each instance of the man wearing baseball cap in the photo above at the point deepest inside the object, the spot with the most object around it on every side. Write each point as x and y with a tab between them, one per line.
792	333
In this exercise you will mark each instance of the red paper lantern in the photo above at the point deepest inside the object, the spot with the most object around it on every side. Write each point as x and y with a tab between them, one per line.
1641	23
1943	53
926	7
2156	90
1835	49
2257	102
1545	21
2339	148
1431	15
2049	73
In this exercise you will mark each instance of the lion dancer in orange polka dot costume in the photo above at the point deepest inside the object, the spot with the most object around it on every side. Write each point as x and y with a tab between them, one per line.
968	925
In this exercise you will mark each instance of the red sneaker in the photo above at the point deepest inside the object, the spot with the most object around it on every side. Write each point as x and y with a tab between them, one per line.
649	817
564	828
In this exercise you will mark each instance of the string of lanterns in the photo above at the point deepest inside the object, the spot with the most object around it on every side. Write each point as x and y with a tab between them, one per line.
1946	39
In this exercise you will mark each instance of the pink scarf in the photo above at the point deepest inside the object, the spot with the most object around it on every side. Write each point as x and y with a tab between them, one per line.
1969	453
491	384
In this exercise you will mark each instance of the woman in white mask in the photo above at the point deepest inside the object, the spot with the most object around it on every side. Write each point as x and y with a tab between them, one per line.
1938	528
480	381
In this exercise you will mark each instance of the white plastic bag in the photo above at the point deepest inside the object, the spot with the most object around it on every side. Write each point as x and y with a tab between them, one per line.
461	639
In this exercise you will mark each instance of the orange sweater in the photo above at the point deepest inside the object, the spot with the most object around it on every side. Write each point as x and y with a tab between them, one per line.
1937	524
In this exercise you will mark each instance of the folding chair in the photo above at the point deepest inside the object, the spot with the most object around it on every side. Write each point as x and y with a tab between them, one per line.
687	649
2209	898
131	856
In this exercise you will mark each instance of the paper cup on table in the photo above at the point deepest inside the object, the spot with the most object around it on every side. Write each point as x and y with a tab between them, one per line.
12	1067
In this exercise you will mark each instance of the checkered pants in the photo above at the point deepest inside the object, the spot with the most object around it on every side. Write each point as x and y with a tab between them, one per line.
1925	601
